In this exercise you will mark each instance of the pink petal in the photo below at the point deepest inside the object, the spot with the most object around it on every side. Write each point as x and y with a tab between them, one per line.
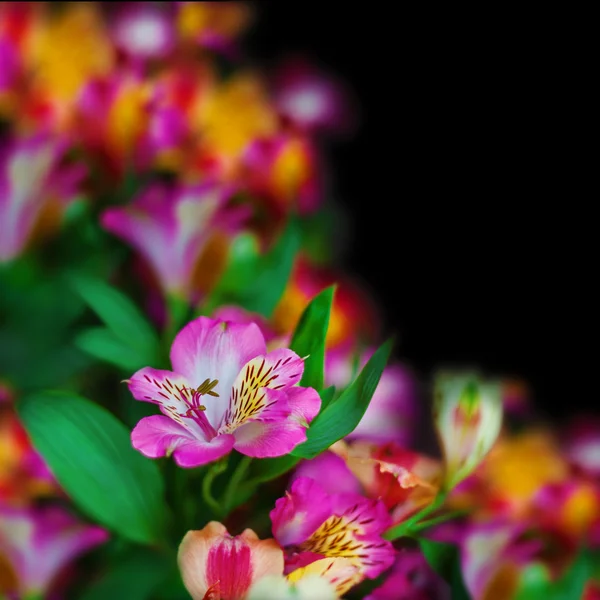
260	391
285	368
331	472
368	517
159	386
197	453
212	561
211	349
40	541
300	513
144	32
158	436
264	440
305	403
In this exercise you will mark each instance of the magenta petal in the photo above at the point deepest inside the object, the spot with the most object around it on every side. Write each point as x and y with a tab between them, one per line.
196	453
40	541
158	436
300	512
211	349
156	385
262	440
287	366
304	403
331	472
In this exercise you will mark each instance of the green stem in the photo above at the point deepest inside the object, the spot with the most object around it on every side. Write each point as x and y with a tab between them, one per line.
437	520
407	527
236	478
207	482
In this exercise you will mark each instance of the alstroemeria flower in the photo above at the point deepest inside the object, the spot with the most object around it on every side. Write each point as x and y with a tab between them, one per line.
38	542
33	184
213	25
582	444
570	509
225	392
493	555
404	480
515	469
411	577
285	170
170	228
144	31
214	564
311	587
468	418
392	414
311	100
313	525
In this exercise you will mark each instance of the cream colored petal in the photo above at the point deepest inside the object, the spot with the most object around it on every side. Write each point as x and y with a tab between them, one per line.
193	554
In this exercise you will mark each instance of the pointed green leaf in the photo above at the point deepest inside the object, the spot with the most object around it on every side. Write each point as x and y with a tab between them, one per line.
342	416
254	281
89	452
273	273
101	343
119	314
310	336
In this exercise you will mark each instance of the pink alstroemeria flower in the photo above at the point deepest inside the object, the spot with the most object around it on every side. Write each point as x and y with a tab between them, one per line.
311	100
393	413
225	392
38	542
493	555
31	179
144	31
217	565
412	578
170	228
313	525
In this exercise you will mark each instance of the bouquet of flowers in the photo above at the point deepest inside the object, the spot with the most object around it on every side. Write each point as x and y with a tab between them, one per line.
196	400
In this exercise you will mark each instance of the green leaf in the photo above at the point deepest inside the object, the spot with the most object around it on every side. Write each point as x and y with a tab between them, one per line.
102	343
342	416
310	335
89	452
136	577
444	559
119	314
536	583
267	469
254	281
327	396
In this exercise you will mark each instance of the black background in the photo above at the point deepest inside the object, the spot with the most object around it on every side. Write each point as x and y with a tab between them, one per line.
466	185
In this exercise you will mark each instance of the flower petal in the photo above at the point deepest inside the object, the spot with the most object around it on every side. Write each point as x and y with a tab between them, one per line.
158	436
215	350
268	439
304	402
336	574
159	386
260	390
331	472
301	512
212	560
